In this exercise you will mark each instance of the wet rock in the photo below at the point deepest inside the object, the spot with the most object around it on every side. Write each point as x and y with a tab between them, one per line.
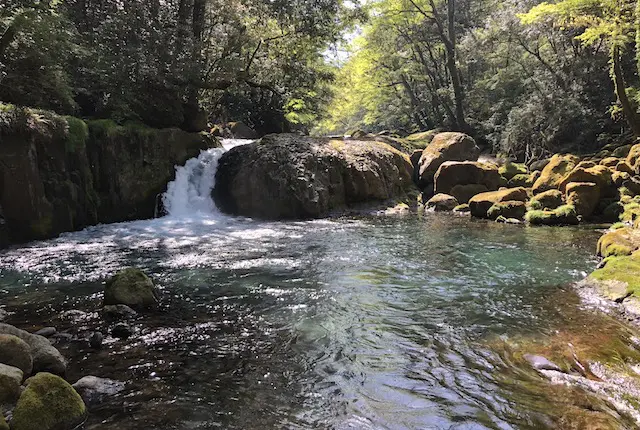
46	332
481	203
46	358
121	331
10	380
564	215
240	130
508	210
538	362
131	287
554	172
118	312
15	352
95	340
48	403
445	147
94	390
584	196
442	203
288	176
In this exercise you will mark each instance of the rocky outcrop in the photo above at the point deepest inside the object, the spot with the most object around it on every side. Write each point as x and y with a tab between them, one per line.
131	287
445	147
48	403
61	174
295	177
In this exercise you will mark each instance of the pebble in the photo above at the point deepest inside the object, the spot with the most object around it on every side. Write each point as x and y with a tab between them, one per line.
46	332
95	341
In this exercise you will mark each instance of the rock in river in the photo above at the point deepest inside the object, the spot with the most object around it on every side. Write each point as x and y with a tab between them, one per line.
10	380
131	287
288	176
46	358
95	390
15	352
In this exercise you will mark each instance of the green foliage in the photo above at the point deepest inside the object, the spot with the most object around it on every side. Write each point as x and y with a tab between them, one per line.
77	134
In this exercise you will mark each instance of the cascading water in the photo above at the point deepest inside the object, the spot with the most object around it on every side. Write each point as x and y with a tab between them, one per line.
190	193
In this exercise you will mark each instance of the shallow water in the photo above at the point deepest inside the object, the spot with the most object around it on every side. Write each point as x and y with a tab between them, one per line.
346	323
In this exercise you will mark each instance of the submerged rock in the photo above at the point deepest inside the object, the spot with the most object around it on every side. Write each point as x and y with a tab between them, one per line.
445	147
46	332
10	380
296	177
15	352
118	312
46	358
94	390
48	403
131	287
538	362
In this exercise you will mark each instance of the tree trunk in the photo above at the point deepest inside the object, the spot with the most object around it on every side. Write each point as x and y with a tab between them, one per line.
621	91
458	91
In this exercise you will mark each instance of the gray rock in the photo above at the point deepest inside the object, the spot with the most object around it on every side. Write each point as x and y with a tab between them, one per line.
16	352
46	358
10	381
46	332
538	362
121	331
118	312
94	390
131	287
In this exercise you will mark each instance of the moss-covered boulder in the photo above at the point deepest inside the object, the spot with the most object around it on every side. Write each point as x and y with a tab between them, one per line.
619	178
48	403
481	203
633	159
463	208
287	176
610	162
10	380
599	175
619	242
131	287
445	147
551	199
441	203
554	172
455	173
463	193
623	166
508	170
46	358
508	210
523	180
422	138
584	196
15	352
619	278
564	215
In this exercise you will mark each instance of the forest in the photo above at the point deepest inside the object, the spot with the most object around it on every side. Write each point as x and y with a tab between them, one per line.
525	78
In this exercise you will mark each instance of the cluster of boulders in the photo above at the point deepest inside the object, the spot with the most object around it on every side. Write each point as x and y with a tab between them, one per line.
33	392
564	189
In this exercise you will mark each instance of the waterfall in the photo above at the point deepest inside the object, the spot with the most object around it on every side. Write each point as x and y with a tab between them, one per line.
190	193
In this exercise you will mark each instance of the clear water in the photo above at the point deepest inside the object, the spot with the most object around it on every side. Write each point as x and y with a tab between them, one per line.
365	323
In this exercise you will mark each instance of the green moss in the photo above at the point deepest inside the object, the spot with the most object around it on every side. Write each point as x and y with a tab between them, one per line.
508	209
48	403
535	205
77	134
102	127
462	208
521	180
631	212
510	170
618	226
3	422
624	269
564	215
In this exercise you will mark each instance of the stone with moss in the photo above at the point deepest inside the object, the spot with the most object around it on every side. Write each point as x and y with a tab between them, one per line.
563	215
610	161
633	158
584	196
619	277
507	210
554	172
48	403
445	147
619	242
509	170
522	180
463	208
10	380
600	175
631	212
551	199
15	352
481	203
131	287
441	203
46	358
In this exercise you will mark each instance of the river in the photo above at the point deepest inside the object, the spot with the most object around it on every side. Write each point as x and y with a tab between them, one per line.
370	322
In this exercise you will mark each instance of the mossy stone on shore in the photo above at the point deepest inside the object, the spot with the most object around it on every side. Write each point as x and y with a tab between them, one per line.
564	215
620	272
15	352
10	380
508	210
619	242
551	199
48	403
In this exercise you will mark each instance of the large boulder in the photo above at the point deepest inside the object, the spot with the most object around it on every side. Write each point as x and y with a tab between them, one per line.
131	287
288	176
94	390
240	130
554	172
618	243
551	199
508	210
453	173
10	381
599	175
463	193
15	352
481	203
46	358
445	147
563	215
633	159
48	403
584	196
442	203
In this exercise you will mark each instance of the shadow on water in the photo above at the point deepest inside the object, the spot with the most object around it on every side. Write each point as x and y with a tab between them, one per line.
415	322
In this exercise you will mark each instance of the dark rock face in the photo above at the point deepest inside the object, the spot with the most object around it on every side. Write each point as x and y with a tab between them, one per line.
61	174
295	177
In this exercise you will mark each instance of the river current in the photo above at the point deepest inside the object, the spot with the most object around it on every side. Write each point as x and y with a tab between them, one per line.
369	322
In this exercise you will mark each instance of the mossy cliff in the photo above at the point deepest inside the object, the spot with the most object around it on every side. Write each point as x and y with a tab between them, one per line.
62	174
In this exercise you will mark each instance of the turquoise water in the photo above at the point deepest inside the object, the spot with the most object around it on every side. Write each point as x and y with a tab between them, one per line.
372	323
